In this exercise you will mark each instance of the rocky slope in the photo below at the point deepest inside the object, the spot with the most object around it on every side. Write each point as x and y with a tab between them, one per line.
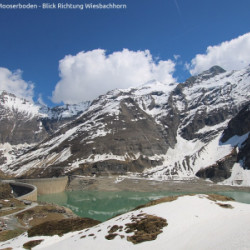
19	121
232	169
24	124
161	131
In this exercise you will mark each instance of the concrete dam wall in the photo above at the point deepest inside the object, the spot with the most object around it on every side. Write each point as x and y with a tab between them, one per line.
24	191
48	185
28	189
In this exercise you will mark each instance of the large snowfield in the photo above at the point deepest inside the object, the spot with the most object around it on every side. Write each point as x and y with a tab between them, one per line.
194	222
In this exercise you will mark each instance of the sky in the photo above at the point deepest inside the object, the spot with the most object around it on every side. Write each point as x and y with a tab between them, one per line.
57	56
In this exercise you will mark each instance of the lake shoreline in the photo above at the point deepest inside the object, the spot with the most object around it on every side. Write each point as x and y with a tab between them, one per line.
114	183
102	198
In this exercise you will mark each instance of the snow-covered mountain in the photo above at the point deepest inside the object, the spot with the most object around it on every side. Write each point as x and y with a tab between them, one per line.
20	120
164	131
24	124
63	112
19	117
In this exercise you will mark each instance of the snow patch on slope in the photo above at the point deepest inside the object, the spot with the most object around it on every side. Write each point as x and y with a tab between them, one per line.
64	111
153	92
10	152
99	158
21	105
239	176
213	128
237	140
187	157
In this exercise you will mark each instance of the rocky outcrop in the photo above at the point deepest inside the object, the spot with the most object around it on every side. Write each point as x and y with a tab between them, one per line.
239	125
244	154
221	170
209	104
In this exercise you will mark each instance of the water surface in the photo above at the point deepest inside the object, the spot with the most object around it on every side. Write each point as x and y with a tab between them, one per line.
102	205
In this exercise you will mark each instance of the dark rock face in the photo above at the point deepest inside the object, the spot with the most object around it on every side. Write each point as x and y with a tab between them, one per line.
16	131
115	167
221	170
244	154
204	106
172	120
51	125
239	125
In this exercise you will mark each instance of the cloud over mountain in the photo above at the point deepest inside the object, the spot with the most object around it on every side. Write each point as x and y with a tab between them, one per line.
230	55
86	75
12	82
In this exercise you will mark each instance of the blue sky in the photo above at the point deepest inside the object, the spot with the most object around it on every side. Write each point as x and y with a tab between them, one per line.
34	41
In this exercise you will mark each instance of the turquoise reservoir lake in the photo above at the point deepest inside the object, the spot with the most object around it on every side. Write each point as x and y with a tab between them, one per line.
102	205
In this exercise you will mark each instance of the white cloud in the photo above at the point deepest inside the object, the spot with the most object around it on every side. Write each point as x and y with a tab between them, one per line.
89	74
230	55
177	57
40	100
12	82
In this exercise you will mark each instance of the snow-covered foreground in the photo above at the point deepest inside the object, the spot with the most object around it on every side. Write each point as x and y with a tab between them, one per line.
194	222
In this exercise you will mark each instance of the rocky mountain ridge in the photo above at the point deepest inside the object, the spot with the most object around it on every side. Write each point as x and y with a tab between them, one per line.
163	131
24	124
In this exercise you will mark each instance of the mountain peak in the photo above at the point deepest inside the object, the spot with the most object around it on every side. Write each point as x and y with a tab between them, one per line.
215	70
207	74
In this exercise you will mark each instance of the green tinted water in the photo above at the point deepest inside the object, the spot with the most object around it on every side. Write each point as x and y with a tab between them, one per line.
102	205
